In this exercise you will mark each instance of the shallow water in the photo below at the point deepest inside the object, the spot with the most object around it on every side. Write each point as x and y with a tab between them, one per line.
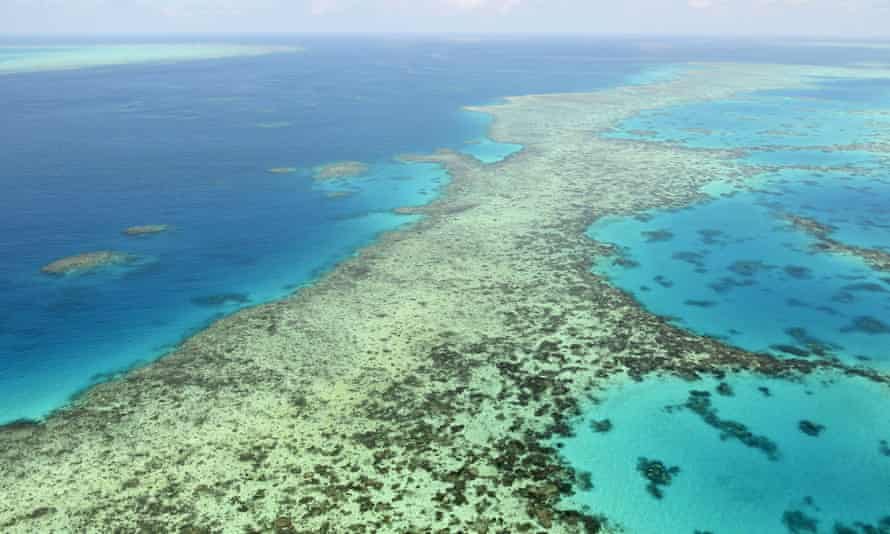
483	148
835	475
733	267
17	59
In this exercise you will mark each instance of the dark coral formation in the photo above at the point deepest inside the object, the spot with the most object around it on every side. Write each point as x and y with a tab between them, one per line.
748	268
693	258
868	325
877	259
658	475
810	428
655	236
19	424
421	386
524	464
859	527
662	281
725	389
584	481
798	272
812	344
798	522
602	425
699	402
710	236
700	303
866	286
727	284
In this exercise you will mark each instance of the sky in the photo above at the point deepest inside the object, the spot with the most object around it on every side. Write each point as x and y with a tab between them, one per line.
841	18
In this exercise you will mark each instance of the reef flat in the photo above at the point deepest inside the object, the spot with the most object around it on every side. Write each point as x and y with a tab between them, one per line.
49	58
86	261
417	386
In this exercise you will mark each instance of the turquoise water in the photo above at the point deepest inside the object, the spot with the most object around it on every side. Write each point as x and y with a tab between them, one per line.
816	158
661	73
194	265
483	148
758	120
758	454
733	267
781	479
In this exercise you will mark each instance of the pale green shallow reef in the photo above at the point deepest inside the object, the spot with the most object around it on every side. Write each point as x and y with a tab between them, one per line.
417	386
31	59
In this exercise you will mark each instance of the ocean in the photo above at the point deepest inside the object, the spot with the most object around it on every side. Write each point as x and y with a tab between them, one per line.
90	152
231	153
750	453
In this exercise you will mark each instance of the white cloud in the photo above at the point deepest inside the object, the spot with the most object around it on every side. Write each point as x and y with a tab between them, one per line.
322	7
789	3
500	6
854	18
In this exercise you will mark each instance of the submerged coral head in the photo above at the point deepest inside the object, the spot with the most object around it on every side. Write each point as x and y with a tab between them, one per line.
282	170
86	261
146	229
341	169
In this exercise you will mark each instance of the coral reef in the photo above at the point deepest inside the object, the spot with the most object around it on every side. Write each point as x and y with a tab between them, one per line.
810	428
602	425
87	261
418	385
798	522
877	259
657	474
725	389
341	169
699	402
147	229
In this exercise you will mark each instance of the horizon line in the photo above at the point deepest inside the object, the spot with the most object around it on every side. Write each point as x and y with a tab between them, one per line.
500	34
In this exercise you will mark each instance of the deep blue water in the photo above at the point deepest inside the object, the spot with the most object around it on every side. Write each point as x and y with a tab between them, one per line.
88	153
